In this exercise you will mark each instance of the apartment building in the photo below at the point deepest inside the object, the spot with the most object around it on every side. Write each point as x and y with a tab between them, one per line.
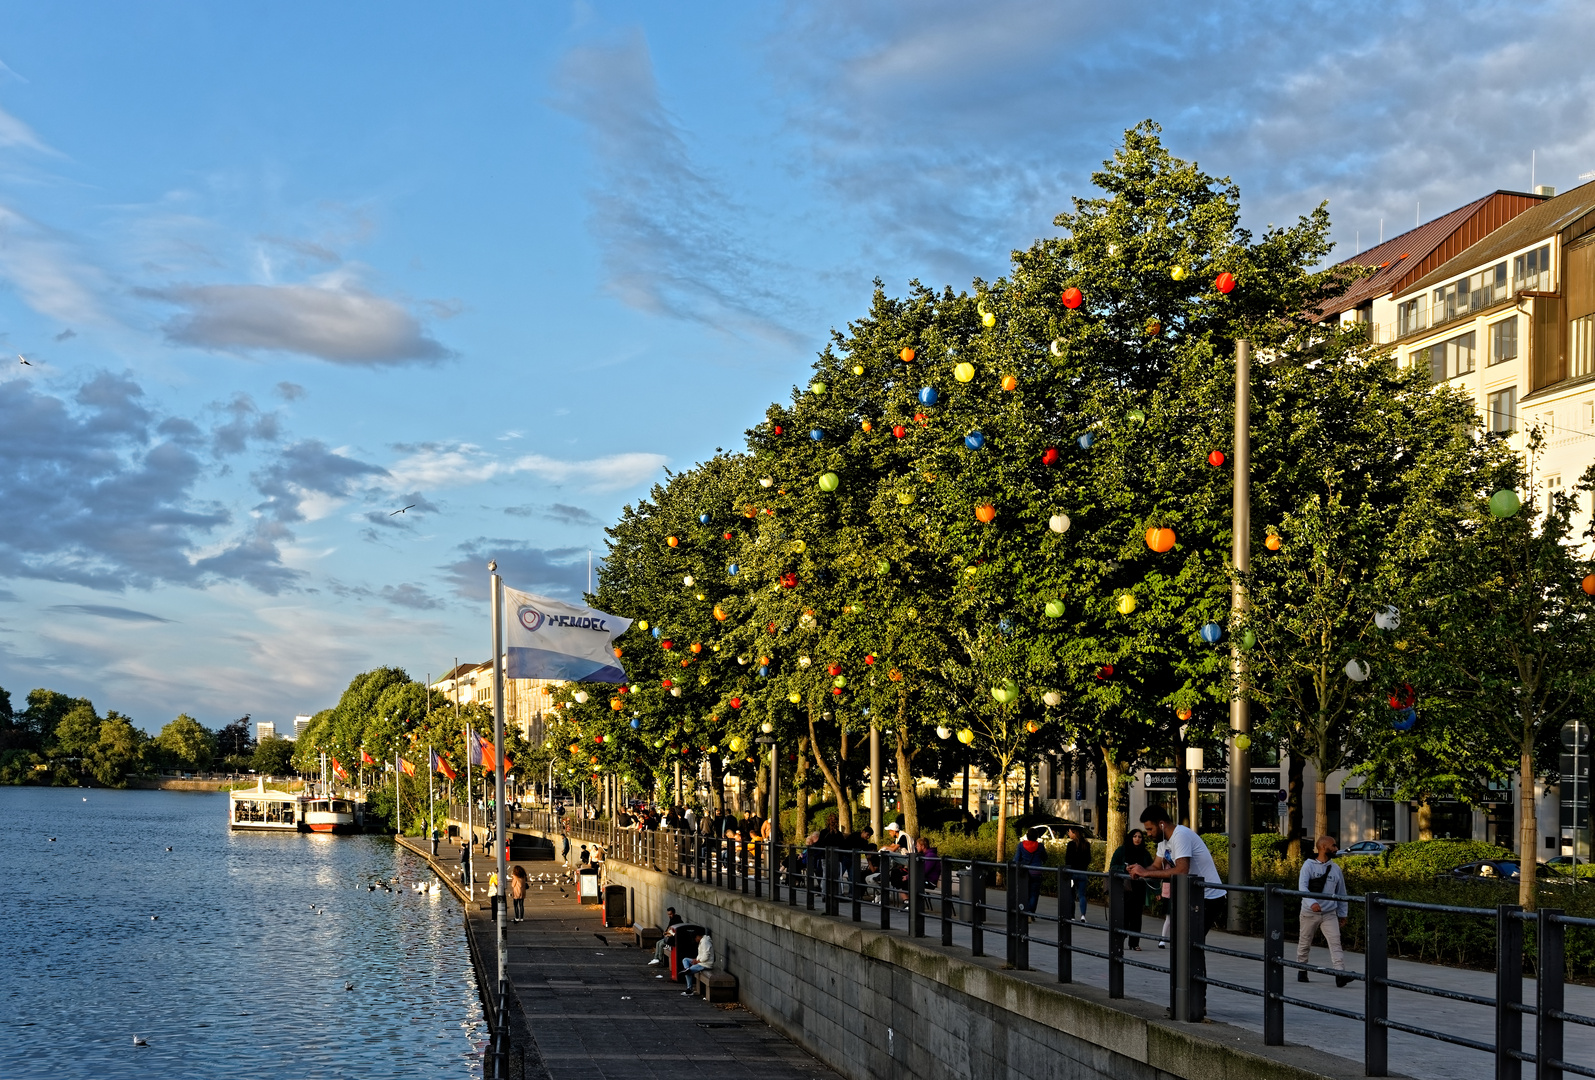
526	701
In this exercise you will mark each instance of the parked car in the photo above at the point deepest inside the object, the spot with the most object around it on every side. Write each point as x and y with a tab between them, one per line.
1369	847
1566	863
1057	832
1508	871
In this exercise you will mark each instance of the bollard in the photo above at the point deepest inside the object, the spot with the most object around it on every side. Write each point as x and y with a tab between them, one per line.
946	902
1273	968
977	911
1180	1004
1065	927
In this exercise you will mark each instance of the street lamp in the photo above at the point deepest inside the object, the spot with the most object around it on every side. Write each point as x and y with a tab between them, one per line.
771	851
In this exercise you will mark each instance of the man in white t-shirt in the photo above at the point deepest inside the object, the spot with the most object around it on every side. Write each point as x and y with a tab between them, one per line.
1181	851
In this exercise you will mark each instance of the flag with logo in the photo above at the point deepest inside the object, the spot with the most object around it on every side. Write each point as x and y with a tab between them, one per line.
407	766
366	759
549	639
337	768
439	765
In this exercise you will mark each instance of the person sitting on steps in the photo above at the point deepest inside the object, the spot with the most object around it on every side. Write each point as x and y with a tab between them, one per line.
662	949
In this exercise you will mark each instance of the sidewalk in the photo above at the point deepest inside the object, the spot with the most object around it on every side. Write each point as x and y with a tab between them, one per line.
594	1007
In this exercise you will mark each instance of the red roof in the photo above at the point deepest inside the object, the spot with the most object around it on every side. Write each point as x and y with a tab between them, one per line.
1403	259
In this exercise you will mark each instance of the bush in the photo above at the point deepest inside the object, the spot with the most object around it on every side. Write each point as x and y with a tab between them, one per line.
1429	858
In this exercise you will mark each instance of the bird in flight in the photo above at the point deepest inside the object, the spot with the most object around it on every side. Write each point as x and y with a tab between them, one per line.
25	360
396	513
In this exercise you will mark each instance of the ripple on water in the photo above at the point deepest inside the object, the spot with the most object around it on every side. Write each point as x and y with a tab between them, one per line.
243	970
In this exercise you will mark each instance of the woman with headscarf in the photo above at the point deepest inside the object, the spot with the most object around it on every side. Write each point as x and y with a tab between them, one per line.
1133	852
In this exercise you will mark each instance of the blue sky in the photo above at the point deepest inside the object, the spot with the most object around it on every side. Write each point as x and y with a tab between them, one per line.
280	270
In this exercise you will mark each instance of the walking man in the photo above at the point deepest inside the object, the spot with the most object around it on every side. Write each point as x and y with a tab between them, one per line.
1325	915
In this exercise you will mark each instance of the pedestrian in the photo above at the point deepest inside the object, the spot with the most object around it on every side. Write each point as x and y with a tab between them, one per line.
1322	876
1182	852
492	893
518	892
930	869
585	857
465	864
1032	855
1077	858
704	961
1133	852
564	843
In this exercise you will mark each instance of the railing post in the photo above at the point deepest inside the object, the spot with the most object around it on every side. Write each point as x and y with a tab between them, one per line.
1066	928
1550	972
854	859
1180	951
1273	970
946	902
1115	935
977	911
832	883
1508	992
881	894
758	868
1376	1001
1013	909
916	895
742	864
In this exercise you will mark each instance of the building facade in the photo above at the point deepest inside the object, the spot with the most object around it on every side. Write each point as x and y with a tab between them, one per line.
526	701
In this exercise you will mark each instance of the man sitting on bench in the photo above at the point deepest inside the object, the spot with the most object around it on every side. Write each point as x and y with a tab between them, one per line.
704	962
662	949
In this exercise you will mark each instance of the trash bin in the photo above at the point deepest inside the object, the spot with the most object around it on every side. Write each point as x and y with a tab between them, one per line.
615	905
964	889
587	884
683	944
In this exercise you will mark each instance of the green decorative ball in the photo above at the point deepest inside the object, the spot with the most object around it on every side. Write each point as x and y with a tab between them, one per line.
1505	503
830	481
1055	608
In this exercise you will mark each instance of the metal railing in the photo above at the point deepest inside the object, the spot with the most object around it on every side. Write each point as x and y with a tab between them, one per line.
843	882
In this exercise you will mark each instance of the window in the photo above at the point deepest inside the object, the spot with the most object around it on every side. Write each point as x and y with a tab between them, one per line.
1412	316
1532	270
1469	294
1581	347
1503	410
1503	341
1448	359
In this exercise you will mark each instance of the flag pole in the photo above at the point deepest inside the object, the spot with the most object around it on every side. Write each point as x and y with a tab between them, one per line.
431	779
398	807
498	768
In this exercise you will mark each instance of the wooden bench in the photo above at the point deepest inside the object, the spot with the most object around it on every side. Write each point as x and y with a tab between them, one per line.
717	986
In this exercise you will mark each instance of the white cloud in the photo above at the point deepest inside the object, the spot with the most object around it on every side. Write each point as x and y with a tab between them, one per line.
14	132
435	466
46	270
336	320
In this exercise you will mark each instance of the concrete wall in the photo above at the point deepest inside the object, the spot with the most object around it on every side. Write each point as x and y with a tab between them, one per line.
875	1006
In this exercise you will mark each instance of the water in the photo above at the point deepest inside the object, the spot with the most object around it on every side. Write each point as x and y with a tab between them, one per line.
242	973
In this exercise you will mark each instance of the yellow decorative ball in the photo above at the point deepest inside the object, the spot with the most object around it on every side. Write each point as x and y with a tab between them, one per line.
964	372
1126	603
988	319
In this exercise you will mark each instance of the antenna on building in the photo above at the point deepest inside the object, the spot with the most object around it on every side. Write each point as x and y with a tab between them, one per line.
1381	230
1587	175
1532	154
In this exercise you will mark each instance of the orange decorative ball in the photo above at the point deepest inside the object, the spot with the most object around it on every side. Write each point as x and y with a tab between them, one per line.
618	654
907	354
672	541
1010	383
1588	585
1183	712
985	513
696	646
1071	298
1272	542
1159	540
867	426
895	675
1154	328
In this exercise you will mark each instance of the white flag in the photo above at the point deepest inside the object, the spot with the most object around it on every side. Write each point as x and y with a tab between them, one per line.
548	639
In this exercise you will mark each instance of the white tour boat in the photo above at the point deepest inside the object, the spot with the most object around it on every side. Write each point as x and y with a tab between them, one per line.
260	809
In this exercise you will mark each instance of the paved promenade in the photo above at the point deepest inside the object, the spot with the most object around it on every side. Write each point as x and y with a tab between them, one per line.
594	1008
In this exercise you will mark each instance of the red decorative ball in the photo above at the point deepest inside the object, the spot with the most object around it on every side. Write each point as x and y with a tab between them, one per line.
1049	456
1071	298
869	658
1216	458
667	684
899	430
736	703
835	669
789	581
1224	283
667	644
837	690
1105	671
778	429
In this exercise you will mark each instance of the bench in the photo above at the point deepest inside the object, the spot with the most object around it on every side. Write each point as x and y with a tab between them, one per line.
717	986
648	936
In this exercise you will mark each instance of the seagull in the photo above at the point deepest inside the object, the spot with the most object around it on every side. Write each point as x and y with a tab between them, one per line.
396	513
168	849
139	1042
154	917
29	363
52	839
348	986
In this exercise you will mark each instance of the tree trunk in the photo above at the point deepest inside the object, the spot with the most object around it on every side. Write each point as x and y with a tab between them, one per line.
1528	831
1101	768
906	792
844	814
1293	847
1002	812
717	783
1425	821
1320	806
800	814
1115	827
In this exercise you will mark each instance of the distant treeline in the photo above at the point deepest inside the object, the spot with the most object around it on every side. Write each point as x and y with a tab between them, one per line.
58	739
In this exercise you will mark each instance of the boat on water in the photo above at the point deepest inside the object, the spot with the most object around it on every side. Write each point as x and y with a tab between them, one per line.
261	809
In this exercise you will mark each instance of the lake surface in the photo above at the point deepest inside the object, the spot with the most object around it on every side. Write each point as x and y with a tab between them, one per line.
242	972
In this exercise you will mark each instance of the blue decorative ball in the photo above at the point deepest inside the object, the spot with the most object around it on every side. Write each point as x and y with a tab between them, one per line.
764	671
928	396
635	723
1211	632
974	440
703	519
816	434
733	568
1086	440
1406	720
654	631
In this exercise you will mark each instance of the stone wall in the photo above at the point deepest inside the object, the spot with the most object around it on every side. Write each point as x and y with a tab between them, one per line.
876	1005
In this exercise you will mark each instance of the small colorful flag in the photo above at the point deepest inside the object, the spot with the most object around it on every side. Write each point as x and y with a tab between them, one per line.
409	769
366	759
473	747
439	765
337	768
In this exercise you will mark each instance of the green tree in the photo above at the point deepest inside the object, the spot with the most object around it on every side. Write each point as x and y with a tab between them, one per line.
77	732
46	709
234	744
185	744
274	756
116	751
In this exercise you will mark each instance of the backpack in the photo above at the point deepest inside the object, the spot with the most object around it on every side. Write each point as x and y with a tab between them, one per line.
1317	882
